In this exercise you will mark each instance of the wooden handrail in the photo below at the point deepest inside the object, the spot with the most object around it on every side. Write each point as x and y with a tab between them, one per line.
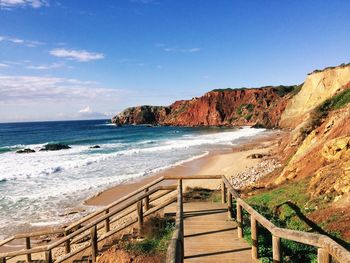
326	246
175	252
320	241
86	227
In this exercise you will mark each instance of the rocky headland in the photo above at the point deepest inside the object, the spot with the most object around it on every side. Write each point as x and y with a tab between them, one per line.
315	149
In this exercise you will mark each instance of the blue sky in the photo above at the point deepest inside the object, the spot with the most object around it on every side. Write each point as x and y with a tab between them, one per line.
90	59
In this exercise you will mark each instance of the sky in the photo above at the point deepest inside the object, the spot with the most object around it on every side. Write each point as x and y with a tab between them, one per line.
88	59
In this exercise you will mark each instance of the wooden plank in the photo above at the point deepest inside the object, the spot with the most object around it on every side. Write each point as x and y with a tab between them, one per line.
146	200
276	249
239	220
254	236
140	216
229	205
323	256
94	247
48	256
29	256
107	223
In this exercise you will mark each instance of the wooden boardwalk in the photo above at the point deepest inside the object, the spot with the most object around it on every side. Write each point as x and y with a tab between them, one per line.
210	236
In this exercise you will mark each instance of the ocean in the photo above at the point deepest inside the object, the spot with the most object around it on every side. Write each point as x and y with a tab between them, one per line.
37	188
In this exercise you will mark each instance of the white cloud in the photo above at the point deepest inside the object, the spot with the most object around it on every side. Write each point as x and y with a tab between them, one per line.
78	55
28	98
32	88
87	109
16	40
46	66
9	4
183	50
3	65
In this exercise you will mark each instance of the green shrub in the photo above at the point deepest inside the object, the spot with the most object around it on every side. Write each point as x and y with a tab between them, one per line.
248	117
157	235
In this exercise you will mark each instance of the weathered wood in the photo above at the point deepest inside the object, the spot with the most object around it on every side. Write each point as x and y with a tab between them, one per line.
229	205
323	256
254	236
223	192
262	220
48	256
107	223
192	177
239	221
140	216
38	233
276	249
181	223
94	248
230	188
146	200
67	243
29	256
115	203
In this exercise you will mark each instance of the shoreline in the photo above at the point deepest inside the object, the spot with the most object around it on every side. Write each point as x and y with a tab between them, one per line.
229	161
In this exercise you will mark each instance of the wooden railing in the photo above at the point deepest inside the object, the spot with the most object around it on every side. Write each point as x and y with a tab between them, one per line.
326	247
176	248
96	227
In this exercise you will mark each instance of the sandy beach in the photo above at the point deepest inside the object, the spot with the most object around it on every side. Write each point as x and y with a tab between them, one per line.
225	162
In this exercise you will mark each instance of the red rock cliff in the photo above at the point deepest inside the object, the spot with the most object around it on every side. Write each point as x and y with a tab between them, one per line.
228	107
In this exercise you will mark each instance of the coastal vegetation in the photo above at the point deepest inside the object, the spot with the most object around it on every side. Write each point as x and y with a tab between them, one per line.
155	237
291	206
321	112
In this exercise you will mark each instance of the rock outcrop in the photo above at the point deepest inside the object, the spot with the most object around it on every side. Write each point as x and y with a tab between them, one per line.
319	86
227	107
318	145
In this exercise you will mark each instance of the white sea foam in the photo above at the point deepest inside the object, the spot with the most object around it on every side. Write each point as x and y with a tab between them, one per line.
61	179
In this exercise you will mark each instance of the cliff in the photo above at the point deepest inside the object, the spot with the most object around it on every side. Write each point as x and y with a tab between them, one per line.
318	146
319	86
226	107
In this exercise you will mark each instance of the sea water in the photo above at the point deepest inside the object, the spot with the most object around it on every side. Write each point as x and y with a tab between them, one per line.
37	188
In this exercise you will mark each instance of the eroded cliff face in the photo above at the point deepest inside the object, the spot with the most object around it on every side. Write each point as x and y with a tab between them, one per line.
319	143
229	107
318	87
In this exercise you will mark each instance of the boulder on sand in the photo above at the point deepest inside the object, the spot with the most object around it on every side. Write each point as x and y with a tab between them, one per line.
26	150
95	147
55	147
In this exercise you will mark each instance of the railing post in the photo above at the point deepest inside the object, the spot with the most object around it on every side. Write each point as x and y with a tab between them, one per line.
94	247
107	225
48	256
229	204
140	216
67	243
223	192
29	256
239	220
181	221
254	236
323	256
2	260
146	200
276	249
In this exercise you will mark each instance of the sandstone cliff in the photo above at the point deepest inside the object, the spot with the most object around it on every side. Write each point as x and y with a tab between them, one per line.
227	107
318	146
318	86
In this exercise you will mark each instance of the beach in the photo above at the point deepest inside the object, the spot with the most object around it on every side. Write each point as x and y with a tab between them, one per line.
69	184
228	162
